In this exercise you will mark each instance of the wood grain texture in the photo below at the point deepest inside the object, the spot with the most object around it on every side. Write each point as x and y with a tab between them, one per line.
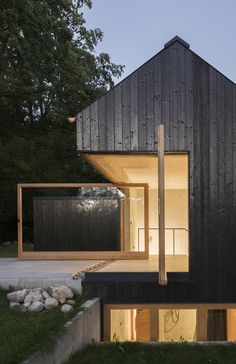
61	212
66	224
197	105
118	118
126	135
110	121
134	111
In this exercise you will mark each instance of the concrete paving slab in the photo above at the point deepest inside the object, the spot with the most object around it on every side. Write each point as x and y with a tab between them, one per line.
13	268
41	273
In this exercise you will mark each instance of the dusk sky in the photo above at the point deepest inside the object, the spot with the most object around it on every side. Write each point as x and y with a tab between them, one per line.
135	30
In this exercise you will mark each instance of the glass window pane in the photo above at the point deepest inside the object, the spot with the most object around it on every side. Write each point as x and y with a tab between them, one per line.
177	325
231	325
216	325
130	325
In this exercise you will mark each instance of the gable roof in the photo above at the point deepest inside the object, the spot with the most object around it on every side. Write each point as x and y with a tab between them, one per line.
165	89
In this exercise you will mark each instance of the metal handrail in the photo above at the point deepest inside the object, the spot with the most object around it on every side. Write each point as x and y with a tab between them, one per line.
155	228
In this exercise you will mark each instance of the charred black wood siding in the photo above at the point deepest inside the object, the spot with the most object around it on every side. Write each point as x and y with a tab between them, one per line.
197	105
126	117
75	224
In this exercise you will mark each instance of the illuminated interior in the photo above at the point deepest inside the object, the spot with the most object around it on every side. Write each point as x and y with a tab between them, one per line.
231	324
142	168
177	325
130	325
172	324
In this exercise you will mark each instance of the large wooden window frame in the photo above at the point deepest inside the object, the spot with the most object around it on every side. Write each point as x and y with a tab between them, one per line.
161	204
79	254
201	316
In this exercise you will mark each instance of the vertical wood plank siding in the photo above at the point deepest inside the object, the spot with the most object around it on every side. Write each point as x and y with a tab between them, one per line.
65	224
134	111
110	121
197	105
118	117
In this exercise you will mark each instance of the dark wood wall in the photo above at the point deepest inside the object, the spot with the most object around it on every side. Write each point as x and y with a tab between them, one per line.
76	224
197	105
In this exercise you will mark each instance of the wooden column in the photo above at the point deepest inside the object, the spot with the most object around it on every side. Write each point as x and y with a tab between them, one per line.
161	205
201	323
19	221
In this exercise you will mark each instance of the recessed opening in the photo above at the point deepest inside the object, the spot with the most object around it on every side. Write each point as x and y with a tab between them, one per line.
177	324
170	322
143	168
130	325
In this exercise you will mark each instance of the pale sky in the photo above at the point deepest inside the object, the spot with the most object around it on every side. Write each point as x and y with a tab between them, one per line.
135	30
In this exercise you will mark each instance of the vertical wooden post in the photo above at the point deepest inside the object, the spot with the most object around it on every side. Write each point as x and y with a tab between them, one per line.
146	219
161	205
107	323
19	220
201	329
231	324
122	245
154	324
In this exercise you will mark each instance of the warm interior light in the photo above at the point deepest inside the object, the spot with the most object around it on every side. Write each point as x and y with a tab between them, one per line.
177	325
143	169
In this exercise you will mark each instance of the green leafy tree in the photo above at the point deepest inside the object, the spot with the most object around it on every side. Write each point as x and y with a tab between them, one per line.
49	70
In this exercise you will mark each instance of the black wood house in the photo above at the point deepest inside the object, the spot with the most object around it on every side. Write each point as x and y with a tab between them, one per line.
118	134
165	139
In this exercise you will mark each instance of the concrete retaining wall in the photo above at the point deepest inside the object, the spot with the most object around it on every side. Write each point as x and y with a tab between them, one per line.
83	329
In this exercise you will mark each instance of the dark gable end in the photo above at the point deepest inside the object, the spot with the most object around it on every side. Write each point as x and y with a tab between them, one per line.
175	87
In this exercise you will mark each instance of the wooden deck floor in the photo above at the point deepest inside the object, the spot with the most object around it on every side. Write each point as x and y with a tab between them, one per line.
178	263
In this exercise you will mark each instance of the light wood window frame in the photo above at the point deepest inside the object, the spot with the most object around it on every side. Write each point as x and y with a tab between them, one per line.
201	316
161	204
80	254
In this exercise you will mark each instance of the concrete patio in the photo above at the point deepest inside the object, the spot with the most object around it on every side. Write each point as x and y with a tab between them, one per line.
41	273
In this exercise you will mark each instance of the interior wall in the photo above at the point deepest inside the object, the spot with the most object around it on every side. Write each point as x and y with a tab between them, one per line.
130	325
231	325
143	325
143	169
136	217
177	325
120	325
176	216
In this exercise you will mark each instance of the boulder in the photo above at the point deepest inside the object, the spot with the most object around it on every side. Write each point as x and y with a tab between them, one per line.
51	303
61	293
71	302
17	296
34	295
46	295
66	308
26	304
15	306
38	289
36	307
23	308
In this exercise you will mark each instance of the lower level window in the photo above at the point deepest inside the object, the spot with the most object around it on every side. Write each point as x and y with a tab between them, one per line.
170	323
177	325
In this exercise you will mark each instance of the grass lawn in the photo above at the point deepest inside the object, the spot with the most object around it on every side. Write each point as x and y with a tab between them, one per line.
11	251
171	353
23	334
8	251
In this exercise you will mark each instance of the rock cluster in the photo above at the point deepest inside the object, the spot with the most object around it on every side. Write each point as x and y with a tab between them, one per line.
38	299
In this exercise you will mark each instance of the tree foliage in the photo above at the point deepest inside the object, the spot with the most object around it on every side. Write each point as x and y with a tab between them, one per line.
49	70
